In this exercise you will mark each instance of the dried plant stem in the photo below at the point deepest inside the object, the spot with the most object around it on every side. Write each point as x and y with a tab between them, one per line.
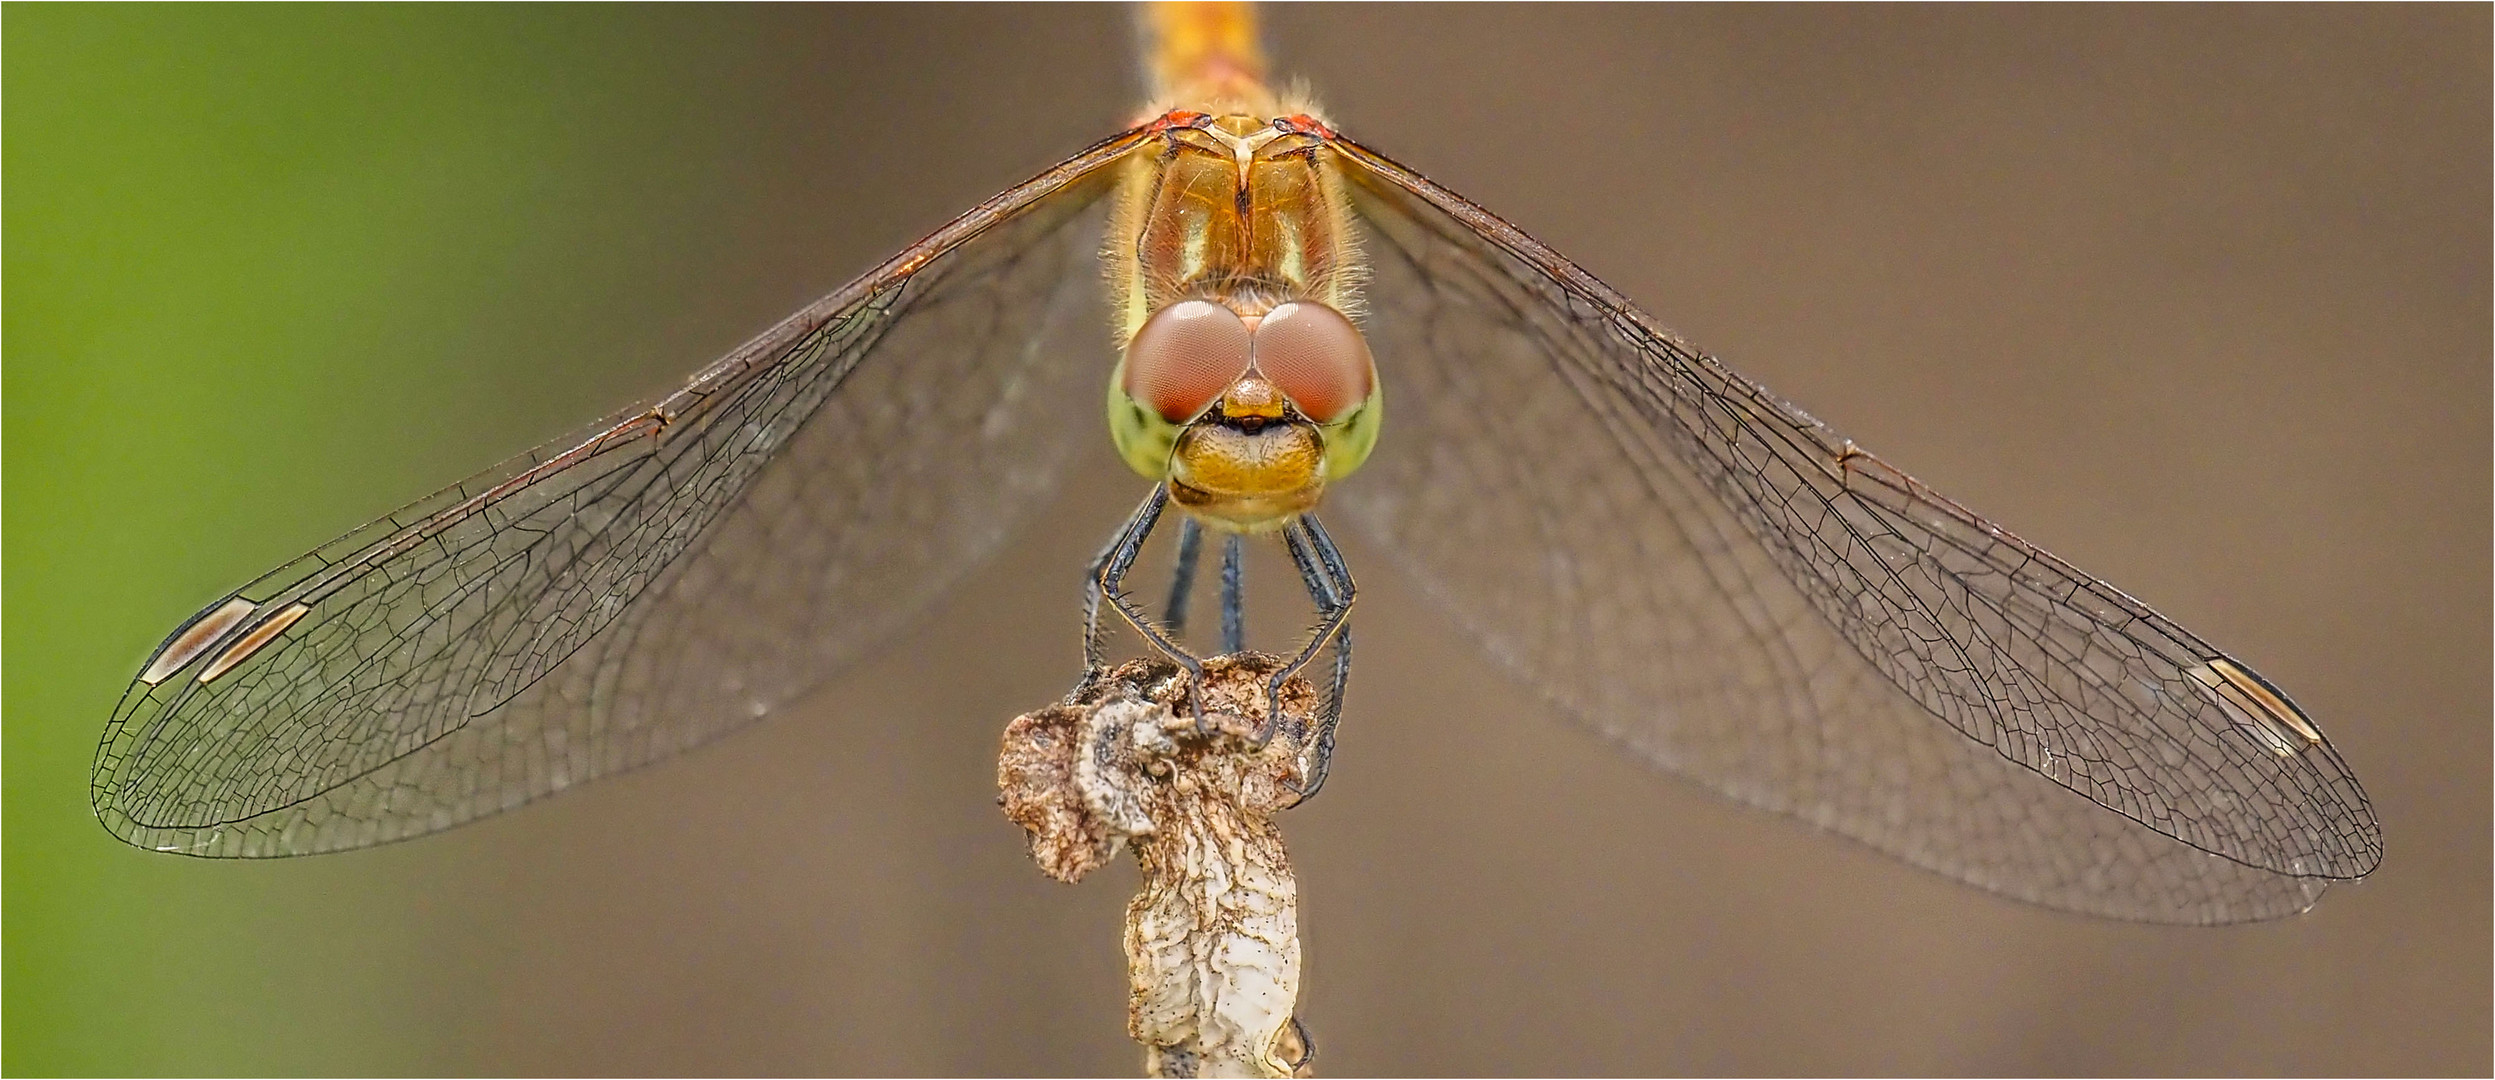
1212	940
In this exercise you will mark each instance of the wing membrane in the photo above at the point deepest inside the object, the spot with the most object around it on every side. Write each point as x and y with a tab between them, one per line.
1709	575
661	577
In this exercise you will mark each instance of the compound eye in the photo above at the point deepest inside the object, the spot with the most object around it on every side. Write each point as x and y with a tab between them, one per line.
1317	357
1184	357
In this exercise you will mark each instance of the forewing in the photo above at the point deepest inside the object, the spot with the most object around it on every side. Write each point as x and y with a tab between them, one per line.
1698	568
647	584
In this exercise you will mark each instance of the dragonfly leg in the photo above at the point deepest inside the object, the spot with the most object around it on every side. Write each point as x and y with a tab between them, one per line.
1330	586
1094	662
1183	579
1234	604
1307	1045
1321	759
1107	580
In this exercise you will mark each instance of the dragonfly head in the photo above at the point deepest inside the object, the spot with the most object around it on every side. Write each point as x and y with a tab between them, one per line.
1247	414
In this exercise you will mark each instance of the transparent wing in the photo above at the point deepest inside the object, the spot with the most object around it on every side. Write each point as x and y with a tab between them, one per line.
643	586
1696	567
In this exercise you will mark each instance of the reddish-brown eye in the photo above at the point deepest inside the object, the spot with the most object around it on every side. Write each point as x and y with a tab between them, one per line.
1317	357
1184	357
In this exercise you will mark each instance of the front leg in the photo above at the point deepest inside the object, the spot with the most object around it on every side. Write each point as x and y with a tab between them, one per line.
1107	579
1321	744
1330	586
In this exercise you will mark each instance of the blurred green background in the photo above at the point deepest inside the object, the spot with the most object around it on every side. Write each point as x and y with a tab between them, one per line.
2197	299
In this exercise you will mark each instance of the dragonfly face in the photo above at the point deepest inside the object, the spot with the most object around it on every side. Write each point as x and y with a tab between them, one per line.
1243	383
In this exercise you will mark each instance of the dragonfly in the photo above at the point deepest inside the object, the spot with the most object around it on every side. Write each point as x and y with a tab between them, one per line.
1661	548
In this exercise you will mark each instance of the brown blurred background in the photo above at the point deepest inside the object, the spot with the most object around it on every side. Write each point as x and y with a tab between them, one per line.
2197	298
